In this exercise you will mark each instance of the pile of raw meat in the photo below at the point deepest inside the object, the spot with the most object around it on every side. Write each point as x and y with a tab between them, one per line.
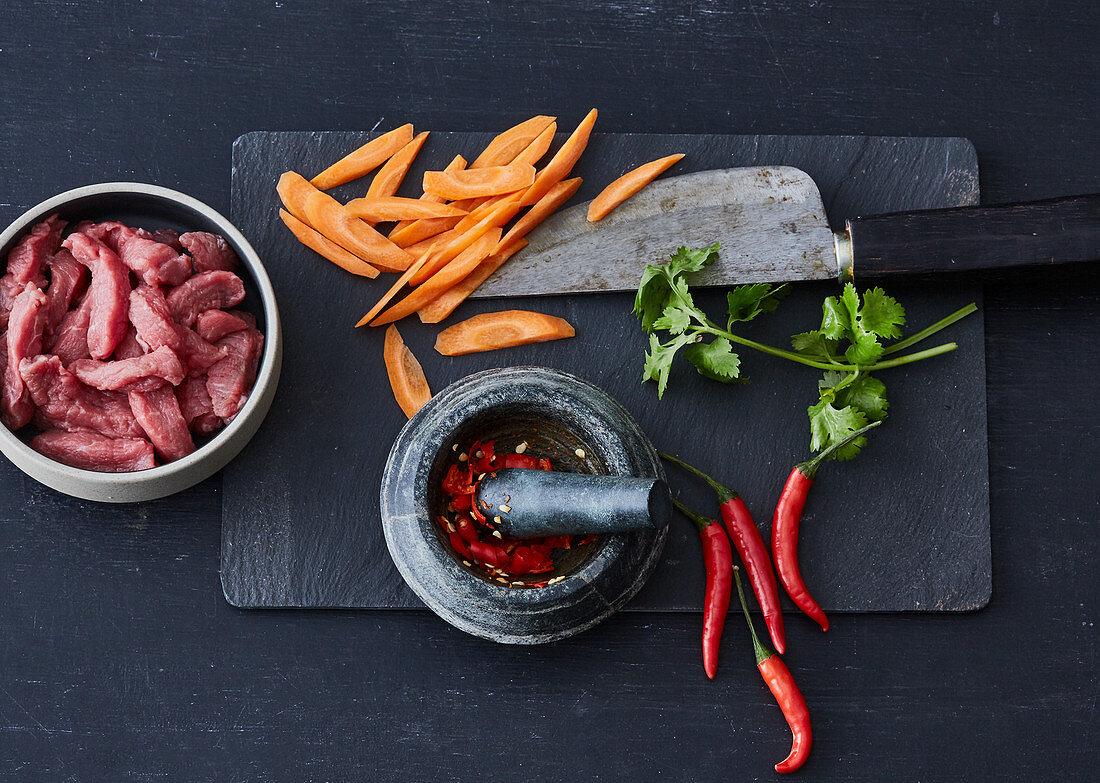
119	344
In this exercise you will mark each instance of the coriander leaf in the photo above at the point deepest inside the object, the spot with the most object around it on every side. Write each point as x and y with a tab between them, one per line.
814	344
829	424
881	314
865	348
745	302
834	319
715	360
676	318
867	394
653	291
658	361
685	260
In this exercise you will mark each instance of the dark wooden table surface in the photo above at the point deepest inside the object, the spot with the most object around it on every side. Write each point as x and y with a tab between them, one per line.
119	657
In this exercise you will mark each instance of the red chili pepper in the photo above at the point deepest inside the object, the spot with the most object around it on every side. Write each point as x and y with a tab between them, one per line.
458	481
718	559
781	683
523	461
751	549
486	462
785	523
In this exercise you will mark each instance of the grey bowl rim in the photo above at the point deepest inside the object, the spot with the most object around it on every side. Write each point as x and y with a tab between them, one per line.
270	365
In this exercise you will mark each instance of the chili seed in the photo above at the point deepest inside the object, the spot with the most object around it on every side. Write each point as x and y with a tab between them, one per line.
496	520
502	581
518	584
580	453
454	447
480	454
479	478
450	528
467	563
505	508
521	447
463	457
497	534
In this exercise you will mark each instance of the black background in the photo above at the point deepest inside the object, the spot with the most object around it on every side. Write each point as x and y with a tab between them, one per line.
119	657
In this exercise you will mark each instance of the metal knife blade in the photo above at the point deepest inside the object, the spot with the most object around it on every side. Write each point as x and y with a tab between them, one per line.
771	223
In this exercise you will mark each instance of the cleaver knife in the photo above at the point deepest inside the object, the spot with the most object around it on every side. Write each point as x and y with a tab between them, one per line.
772	226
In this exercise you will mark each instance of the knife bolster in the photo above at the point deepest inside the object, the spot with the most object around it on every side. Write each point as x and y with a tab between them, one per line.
845	261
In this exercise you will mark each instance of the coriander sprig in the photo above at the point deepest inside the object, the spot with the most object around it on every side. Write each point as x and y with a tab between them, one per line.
849	345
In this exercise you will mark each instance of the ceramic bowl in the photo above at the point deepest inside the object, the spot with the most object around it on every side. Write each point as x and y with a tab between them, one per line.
556	414
151	207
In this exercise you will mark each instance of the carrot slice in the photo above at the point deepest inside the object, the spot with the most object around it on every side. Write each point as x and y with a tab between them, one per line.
293	190
396	234
475	183
365	159
329	217
505	147
410	387
443	305
626	186
326	247
386	297
563	161
438	258
452	274
390	176
420	230
397	208
425	245
555	197
490	331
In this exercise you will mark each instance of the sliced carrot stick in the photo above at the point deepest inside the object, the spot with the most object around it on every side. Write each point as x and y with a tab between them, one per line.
410	387
326	247
562	163
395	235
293	190
397	208
626	186
419	230
537	148
474	183
555	197
386	297
425	245
452	274
443	305
329	217
365	159
438	257
390	176
490	331
504	148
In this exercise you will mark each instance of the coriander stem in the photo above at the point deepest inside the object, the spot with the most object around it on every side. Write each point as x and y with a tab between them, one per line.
913	357
794	357
923	334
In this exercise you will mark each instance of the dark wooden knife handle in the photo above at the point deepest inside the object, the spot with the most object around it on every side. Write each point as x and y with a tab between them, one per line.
1036	233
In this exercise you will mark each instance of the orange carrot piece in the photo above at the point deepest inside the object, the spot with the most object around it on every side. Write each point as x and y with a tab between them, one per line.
293	190
329	217
381	208
437	258
326	247
365	159
397	286
420	230
396	233
504	148
410	387
555	197
627	185
452	274
475	183
538	147
490	331
562	163
423	246
392	174
442	306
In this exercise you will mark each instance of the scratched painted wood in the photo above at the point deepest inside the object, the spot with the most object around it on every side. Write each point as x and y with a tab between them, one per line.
300	526
120	658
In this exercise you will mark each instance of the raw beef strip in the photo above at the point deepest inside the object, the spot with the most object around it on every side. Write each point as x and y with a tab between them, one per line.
167	236
131	346
215	290
107	232
24	338
110	293
158	412
196	407
230	380
152	318
213	325
25	262
70	341
68	404
141	373
92	451
209	252
67	276
155	263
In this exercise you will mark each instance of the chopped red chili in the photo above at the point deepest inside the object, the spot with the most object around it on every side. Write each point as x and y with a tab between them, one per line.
483	544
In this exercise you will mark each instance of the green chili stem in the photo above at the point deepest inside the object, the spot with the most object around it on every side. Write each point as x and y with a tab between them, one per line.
809	467
762	653
700	521
923	334
724	493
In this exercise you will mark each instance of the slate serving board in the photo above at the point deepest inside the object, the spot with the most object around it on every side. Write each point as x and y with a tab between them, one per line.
903	528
